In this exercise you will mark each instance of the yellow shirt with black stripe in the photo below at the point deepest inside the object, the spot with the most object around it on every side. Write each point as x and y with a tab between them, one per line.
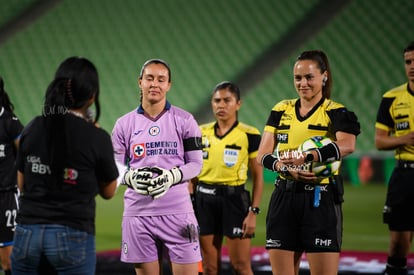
396	116
226	158
325	119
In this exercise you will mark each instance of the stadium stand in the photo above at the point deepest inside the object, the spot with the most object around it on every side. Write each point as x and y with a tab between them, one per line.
12	9
364	43
204	42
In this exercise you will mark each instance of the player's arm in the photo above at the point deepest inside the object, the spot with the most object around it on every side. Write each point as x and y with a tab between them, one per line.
346	128
192	189
192	185
249	223
344	145
20	180
384	126
107	189
120	152
266	147
268	141
257	178
108	170
265	155
385	141
256	170
193	156
16	143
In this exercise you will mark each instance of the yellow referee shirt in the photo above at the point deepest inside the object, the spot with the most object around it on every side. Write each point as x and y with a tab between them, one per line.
396	115
325	119
226	158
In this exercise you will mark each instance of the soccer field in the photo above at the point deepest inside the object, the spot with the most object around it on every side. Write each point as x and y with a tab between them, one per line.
363	227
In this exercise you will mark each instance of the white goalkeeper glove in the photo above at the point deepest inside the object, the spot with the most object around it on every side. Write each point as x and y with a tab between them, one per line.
139	179
165	179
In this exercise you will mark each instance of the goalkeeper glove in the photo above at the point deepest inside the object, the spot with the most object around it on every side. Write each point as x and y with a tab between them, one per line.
139	179
166	178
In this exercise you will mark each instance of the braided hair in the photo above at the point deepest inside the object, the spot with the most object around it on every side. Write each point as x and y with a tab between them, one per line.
76	82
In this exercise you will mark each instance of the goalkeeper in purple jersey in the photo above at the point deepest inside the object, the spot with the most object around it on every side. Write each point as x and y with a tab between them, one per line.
160	147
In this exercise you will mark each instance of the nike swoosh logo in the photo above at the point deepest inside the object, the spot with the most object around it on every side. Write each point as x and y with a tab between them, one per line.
137	132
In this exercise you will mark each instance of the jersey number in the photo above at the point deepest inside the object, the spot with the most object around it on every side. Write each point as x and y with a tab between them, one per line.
10	218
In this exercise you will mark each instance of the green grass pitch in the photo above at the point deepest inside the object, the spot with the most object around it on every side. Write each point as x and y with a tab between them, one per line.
363	227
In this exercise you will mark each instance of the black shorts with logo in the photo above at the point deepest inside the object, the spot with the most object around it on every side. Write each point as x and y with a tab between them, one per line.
221	209
299	221
8	211
400	200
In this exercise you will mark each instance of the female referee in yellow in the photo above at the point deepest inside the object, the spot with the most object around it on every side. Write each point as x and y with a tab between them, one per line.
294	222
223	205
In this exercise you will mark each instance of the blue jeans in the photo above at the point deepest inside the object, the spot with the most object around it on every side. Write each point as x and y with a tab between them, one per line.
69	251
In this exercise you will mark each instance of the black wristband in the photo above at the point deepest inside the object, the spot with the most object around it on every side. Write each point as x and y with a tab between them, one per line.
329	152
255	210
269	161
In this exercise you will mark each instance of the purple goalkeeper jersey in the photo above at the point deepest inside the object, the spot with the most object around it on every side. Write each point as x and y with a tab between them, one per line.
170	140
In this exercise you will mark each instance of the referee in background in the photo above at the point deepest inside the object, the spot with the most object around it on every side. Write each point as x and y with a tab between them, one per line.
395	131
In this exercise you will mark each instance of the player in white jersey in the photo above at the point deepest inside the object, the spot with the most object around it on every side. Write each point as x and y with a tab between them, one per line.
161	146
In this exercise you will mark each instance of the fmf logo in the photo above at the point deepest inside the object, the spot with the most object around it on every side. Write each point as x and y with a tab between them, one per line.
282	138
403	125
322	242
237	231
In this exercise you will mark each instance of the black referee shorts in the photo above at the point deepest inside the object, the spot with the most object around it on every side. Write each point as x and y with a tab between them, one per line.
400	200
295	222
8	211
221	209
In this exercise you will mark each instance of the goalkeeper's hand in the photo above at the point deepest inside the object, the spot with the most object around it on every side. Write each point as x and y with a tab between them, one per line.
139	179
162	183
